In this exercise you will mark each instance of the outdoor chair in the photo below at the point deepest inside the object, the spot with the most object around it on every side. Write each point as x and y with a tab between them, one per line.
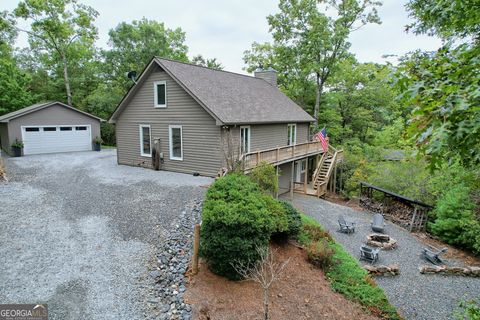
377	223
369	254
346	227
432	254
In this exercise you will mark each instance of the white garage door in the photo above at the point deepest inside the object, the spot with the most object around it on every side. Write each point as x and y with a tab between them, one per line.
50	139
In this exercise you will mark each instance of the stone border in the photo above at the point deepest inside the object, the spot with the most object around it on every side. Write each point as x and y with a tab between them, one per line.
388	244
470	271
390	270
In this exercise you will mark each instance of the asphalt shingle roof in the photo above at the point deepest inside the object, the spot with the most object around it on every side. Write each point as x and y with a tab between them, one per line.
231	98
234	98
39	106
22	111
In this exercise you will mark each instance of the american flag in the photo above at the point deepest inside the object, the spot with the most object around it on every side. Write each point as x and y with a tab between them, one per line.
322	137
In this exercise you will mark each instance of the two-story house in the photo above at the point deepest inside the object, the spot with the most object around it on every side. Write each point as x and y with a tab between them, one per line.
191	114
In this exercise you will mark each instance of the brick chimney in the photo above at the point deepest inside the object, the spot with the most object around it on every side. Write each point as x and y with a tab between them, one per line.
268	75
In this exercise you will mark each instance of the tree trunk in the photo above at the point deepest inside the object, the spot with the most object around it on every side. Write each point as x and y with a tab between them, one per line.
67	79
317	100
265	304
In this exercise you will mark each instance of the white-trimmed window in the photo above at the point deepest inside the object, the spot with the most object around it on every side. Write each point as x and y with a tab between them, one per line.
145	140
291	134
160	92
245	139
176	142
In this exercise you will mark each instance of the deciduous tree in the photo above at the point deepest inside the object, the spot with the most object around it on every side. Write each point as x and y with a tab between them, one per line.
134	44
14	83
211	63
59	29
311	36
443	86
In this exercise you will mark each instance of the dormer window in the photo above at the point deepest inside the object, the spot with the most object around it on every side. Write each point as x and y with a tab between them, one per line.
160	88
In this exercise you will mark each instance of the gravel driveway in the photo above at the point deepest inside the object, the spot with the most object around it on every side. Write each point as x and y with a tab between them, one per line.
416	296
81	233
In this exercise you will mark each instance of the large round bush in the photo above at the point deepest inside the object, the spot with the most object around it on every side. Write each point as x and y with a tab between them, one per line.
236	218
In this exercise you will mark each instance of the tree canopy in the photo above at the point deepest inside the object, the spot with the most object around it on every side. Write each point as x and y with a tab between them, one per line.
60	31
309	43
442	87
134	44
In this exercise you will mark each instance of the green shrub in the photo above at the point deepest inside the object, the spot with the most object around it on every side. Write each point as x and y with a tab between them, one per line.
316	233
107	131
280	218
265	176
293	218
452	174
320	254
455	219
311	231
236	219
468	310
17	144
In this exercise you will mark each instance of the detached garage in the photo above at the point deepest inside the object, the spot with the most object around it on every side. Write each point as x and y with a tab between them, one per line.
49	127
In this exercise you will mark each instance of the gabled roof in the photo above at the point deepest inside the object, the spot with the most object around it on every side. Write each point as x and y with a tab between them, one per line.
38	106
230	98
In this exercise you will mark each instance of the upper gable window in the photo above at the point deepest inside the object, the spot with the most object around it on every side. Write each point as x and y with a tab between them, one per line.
160	89
291	134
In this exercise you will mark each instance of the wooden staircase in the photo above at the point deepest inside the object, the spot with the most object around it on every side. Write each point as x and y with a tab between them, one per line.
324	170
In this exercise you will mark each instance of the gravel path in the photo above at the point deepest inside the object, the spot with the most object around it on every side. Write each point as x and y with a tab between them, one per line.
416	296
82	234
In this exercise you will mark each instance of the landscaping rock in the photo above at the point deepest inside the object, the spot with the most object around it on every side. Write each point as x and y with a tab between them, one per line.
173	256
383	241
462	271
390	270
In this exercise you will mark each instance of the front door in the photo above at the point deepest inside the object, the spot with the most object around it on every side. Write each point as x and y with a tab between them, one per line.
300	170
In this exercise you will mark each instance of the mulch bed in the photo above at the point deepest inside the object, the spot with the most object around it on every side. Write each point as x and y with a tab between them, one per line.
301	293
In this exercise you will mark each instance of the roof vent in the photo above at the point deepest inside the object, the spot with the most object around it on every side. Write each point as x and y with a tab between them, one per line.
269	75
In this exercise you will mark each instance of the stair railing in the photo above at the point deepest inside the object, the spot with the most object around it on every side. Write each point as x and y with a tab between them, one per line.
316	173
330	168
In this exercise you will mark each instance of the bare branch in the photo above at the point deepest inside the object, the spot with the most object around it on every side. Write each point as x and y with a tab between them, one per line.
264	272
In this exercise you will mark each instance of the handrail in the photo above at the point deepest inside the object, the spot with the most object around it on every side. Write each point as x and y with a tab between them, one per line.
280	154
283	147
332	164
319	166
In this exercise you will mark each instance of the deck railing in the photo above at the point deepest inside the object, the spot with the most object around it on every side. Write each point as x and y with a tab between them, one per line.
281	154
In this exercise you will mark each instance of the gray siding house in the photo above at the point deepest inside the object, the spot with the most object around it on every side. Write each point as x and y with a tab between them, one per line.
191	113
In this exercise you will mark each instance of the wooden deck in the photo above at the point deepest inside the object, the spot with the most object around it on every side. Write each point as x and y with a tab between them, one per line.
279	155
299	187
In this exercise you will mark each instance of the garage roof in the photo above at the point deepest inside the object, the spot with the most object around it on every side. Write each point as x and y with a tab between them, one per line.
38	106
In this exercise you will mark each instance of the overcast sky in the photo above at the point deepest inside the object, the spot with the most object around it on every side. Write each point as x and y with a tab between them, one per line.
225	29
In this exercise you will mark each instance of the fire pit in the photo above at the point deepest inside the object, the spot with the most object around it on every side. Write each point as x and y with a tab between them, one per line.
383	241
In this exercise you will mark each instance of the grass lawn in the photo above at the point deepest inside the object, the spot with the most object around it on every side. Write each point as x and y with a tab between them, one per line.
348	277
